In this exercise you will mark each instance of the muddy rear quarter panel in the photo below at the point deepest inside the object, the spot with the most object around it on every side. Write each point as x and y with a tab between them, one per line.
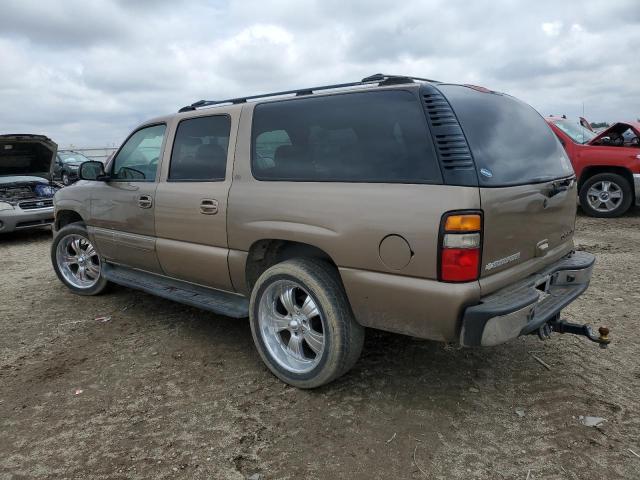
349	221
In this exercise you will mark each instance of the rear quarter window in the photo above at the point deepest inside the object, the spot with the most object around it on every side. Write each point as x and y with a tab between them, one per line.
510	142
354	137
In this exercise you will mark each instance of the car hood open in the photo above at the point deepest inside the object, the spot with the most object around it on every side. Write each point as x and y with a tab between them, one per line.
619	128
26	155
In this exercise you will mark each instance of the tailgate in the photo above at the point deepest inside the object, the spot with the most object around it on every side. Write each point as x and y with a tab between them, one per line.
526	226
527	185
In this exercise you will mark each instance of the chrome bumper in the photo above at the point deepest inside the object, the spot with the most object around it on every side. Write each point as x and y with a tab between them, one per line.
524	307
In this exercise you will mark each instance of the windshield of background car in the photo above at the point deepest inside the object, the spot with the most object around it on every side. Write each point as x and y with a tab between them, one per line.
575	131
510	142
72	157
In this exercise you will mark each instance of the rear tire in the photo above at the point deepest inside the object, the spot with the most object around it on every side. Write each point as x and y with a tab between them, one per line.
76	261
606	195
302	323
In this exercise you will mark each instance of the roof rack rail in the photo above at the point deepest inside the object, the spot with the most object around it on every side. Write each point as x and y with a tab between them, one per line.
379	78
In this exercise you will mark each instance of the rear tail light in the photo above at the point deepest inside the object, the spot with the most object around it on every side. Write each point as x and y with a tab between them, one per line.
460	247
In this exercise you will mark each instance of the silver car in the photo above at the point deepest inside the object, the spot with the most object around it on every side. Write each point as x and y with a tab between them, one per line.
26	189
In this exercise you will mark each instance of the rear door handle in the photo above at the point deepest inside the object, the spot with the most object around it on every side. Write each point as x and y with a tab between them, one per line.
208	206
145	201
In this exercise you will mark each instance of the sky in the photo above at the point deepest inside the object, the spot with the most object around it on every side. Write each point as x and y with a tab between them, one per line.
85	73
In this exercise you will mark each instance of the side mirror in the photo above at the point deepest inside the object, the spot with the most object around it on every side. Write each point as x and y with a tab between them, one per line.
92	170
606	140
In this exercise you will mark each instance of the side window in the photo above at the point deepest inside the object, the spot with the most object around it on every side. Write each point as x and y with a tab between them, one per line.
356	137
200	149
138	158
267	143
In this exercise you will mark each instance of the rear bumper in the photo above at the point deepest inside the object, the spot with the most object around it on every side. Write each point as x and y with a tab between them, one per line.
527	305
636	185
18	219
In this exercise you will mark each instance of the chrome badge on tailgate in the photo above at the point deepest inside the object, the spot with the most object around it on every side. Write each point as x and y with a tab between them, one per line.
502	261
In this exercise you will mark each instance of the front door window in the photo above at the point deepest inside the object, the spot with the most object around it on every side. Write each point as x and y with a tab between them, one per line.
137	160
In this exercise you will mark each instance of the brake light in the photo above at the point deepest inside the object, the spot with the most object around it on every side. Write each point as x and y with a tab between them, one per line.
478	88
460	247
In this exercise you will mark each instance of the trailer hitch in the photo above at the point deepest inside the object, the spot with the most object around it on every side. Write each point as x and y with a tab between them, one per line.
562	326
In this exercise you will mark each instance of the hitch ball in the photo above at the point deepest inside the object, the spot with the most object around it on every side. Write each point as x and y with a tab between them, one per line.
604	337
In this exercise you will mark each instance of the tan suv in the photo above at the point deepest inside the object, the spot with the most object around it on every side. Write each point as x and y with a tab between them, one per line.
435	210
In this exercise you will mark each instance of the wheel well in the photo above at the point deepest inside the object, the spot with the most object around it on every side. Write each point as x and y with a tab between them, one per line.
591	171
65	217
266	253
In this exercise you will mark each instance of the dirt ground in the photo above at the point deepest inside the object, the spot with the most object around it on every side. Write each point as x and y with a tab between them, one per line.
167	391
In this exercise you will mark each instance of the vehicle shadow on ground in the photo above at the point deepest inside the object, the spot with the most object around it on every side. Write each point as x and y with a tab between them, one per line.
633	212
389	361
22	236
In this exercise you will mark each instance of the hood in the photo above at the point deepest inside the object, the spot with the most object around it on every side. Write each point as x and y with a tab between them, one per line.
585	123
26	155
10	179
617	128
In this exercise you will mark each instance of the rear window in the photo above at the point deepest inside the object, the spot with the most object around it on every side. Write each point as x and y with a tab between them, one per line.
354	137
510	142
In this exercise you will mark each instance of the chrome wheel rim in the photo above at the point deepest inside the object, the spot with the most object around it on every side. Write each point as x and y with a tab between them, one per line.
78	261
65	179
291	326
604	196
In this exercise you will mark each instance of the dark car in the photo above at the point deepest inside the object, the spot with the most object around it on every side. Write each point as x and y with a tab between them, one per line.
67	164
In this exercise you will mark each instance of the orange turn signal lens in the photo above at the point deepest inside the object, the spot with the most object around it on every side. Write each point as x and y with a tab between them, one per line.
462	223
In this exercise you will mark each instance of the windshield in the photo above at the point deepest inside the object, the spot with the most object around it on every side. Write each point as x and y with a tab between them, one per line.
575	131
72	157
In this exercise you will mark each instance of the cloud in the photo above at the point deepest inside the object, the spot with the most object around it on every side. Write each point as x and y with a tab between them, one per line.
87	72
552	29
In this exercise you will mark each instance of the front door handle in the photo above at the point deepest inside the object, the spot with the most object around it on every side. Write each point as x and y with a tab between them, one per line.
145	201
208	206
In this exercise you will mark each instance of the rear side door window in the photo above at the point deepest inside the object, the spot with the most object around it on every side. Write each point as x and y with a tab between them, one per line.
200	149
137	160
356	137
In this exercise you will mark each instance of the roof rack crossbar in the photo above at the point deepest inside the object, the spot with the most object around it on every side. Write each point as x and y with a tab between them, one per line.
378	78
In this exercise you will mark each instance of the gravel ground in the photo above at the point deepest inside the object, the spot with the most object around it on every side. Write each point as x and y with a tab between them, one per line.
166	391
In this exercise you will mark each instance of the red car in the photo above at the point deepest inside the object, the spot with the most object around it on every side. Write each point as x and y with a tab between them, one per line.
607	164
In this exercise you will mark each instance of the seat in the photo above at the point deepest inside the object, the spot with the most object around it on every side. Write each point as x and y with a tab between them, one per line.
291	162
208	163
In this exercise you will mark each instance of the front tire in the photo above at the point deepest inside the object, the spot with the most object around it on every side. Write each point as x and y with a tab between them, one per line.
76	261
66	180
606	195
302	323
